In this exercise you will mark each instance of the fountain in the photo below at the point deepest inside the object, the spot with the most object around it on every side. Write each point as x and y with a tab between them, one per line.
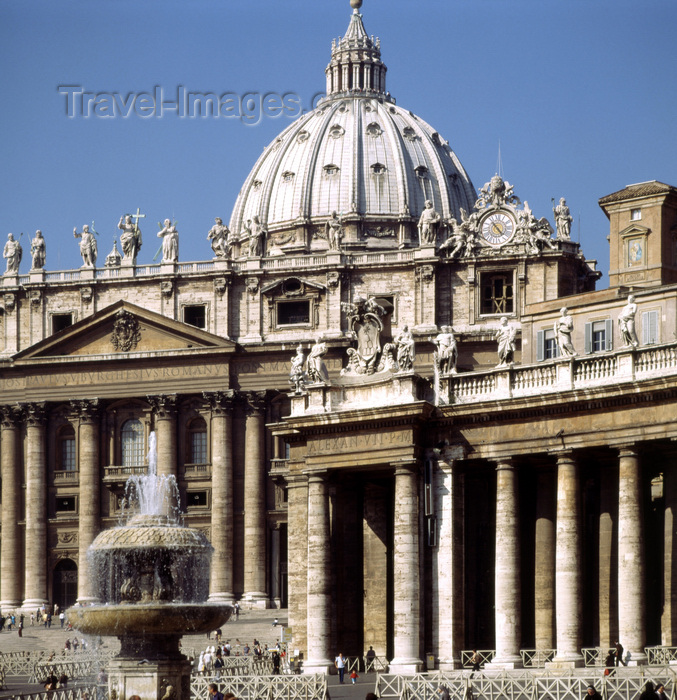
153	576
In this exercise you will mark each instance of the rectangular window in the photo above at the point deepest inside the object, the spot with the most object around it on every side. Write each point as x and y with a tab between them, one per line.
497	293
68	454
196	499
61	321
293	313
636	215
649	327
195	315
65	504
546	345
198	447
599	336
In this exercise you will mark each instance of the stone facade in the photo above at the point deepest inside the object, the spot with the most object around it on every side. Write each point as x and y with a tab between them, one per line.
523	506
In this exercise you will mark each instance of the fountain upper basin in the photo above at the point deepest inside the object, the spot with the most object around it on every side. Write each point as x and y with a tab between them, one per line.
149	619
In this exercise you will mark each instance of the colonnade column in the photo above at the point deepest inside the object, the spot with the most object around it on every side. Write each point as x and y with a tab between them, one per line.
631	587
407	575
90	495
10	543
669	616
255	502
544	560
448	556
607	604
508	602
164	407
35	568
221	404
568	562
319	575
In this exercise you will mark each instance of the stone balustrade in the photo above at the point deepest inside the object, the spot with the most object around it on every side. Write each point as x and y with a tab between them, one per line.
563	374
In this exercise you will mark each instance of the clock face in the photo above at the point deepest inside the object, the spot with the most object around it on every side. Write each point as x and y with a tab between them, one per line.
497	229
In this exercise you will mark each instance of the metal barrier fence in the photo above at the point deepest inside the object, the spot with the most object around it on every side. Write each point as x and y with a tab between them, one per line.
81	693
486	655
24	663
72	668
523	685
660	655
596	656
537	658
20	663
311	687
362	663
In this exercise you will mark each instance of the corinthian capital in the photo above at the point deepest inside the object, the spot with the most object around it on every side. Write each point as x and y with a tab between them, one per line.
221	402
86	410
163	405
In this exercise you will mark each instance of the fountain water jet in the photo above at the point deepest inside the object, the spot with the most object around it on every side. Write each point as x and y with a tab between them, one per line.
153	576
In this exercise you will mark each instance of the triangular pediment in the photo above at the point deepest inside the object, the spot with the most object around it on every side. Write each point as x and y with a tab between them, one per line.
292	287
123	329
634	230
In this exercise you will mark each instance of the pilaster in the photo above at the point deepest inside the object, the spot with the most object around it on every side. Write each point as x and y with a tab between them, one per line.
297	525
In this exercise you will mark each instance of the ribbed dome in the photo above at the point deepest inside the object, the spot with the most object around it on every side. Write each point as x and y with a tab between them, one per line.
357	153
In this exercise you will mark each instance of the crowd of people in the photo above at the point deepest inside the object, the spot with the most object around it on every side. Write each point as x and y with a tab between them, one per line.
211	662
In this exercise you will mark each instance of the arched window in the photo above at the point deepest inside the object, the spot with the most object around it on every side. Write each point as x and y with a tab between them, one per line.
196	442
132	443
65	449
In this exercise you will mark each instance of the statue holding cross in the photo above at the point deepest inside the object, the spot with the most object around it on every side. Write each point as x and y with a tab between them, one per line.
130	238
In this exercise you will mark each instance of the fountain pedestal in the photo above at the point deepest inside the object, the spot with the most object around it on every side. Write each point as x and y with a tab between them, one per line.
149	679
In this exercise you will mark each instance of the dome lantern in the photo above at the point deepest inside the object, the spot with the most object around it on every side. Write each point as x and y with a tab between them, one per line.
356	65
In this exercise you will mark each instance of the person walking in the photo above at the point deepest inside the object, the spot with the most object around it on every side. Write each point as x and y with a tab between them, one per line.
340	664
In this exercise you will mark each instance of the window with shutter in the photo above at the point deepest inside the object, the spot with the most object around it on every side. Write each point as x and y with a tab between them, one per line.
649	327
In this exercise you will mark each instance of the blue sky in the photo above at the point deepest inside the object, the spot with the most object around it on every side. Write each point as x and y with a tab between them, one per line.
580	94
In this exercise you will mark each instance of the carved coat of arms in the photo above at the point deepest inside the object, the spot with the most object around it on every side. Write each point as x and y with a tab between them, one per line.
126	332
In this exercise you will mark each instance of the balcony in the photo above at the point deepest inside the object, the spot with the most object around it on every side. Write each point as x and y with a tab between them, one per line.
115	473
197	471
564	374
69	477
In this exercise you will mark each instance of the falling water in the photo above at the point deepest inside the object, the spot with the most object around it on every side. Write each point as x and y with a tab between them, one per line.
151	494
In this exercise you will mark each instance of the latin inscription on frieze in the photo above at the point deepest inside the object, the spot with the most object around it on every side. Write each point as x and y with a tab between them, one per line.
255	367
359	443
124	376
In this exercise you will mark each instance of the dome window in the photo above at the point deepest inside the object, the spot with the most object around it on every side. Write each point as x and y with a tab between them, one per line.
302	136
336	131
374	130
331	170
378	168
409	133
421	171
256	184
287	176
